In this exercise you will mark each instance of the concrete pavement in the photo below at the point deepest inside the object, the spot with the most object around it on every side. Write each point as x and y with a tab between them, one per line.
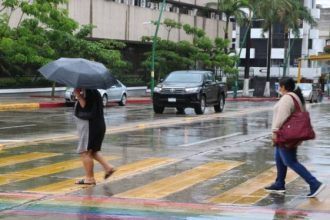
180	167
39	98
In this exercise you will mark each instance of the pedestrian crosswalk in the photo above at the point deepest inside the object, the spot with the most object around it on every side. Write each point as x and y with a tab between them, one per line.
248	192
121	173
43	170
164	187
10	160
251	191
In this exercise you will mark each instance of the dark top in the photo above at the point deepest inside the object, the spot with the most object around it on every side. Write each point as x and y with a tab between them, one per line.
94	108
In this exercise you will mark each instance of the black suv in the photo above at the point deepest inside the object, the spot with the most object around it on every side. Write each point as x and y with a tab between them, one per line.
189	89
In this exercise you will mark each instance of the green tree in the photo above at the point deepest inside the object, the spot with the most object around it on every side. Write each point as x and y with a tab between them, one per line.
201	53
230	8
169	25
44	33
269	11
291	18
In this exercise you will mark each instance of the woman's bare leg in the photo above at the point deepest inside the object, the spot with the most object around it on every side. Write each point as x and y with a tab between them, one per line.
104	163
88	163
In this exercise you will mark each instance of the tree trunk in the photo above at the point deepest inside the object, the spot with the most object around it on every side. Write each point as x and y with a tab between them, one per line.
269	55
286	55
247	62
226	32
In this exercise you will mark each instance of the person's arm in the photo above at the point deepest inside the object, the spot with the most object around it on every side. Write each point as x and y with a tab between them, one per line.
284	110
80	98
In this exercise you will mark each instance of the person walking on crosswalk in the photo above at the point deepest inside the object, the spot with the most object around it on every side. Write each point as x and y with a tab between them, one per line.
91	129
286	156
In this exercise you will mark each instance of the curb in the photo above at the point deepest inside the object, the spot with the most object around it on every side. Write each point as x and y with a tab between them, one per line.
139	101
16	106
51	104
252	99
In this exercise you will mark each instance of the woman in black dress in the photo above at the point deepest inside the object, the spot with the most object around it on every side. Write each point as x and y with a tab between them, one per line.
91	129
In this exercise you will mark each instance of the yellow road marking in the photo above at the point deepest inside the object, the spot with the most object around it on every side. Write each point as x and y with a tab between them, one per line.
252	190
10	160
15	106
179	182
42	171
121	173
320	203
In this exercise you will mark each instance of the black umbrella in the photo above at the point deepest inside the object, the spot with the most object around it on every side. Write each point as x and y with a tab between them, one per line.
78	73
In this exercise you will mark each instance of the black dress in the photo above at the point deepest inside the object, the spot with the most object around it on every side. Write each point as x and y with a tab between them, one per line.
96	128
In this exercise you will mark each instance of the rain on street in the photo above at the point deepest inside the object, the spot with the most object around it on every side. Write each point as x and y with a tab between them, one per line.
213	159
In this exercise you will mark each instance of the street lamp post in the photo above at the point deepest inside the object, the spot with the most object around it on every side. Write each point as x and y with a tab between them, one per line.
154	43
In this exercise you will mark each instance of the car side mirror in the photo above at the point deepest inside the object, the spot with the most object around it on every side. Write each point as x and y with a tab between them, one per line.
161	80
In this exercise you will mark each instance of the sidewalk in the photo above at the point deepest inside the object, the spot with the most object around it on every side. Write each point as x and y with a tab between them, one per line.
14	99
35	102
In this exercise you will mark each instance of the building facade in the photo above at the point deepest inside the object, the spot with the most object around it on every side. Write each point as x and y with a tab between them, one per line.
308	43
129	20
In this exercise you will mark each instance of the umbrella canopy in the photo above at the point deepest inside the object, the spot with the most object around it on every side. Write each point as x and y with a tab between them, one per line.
78	73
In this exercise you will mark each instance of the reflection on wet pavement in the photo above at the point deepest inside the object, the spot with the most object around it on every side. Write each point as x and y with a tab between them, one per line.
197	169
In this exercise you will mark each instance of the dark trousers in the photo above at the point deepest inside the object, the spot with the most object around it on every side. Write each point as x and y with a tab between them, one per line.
288	158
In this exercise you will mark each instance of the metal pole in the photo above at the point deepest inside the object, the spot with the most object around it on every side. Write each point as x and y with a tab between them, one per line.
154	43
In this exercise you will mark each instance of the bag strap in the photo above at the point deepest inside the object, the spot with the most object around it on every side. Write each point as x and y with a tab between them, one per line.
296	104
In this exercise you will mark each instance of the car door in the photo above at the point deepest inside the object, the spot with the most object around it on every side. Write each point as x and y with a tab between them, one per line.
114	93
207	87
212	87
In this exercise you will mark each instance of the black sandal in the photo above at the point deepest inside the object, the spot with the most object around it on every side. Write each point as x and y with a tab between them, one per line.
82	182
109	173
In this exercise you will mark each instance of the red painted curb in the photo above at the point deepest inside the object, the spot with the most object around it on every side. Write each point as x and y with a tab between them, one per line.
139	101
47	96
51	104
251	99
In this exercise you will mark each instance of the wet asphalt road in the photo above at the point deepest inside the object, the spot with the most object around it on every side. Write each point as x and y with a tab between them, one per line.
212	159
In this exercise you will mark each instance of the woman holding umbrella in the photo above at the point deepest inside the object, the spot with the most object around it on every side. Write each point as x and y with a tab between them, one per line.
82	73
91	129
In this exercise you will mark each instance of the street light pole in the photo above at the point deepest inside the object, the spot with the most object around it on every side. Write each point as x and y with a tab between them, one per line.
154	43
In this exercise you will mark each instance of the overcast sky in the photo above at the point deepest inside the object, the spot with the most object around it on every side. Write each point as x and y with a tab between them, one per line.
324	3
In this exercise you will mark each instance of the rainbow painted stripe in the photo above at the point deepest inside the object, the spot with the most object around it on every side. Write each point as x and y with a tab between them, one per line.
92	207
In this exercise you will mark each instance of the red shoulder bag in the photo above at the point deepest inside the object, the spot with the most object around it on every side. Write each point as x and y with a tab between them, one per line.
297	127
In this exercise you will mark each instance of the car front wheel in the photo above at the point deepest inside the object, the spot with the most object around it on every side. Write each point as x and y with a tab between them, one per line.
200	108
123	100
158	109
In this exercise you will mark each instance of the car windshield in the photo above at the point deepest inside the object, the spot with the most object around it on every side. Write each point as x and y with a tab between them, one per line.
184	78
305	86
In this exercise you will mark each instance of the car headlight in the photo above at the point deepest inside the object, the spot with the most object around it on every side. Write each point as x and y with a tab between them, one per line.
192	90
158	89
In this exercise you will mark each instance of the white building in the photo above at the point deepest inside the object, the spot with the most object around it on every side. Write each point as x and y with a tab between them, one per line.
130	20
308	43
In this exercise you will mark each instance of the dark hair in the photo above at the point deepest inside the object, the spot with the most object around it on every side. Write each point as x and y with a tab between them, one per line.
290	85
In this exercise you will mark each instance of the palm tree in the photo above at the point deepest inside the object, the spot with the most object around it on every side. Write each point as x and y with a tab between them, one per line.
248	21
230	8
270	11
292	18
